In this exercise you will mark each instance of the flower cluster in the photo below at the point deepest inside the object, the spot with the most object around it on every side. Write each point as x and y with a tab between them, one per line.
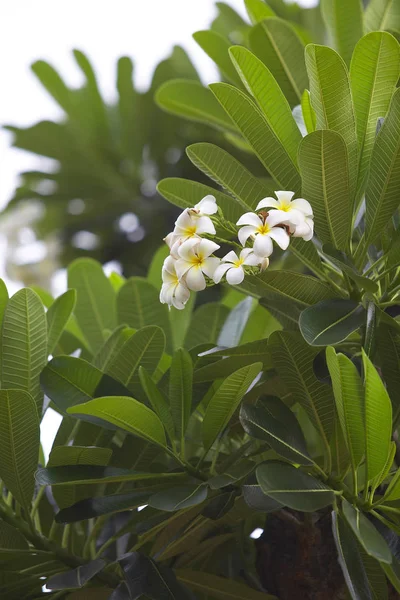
191	258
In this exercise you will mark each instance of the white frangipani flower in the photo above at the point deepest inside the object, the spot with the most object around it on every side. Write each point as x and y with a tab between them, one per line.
174	292
233	266
195	261
206	206
297	214
262	228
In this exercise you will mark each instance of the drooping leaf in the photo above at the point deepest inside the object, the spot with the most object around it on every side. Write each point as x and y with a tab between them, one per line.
180	392
344	21
331	321
57	318
368	536
180	497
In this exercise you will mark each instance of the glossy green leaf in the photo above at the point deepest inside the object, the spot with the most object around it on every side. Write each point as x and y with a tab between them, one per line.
277	44
324	170
178	498
257	500
180	392
384	177
127	414
58	316
331	321
257	131
368	536
20	438
95	303
374	72
158	402
292	487
219	588
217	47
344	21
378	421
91	508
382	14
24	344
258	10
309	116
206	324
225	401
237	471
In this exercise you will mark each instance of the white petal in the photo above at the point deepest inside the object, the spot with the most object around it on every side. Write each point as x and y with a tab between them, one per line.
303	206
267	203
170	239
169	265
209	265
231	256
245	232
207	206
276	217
182	294
184	220
206	247
205	225
263	245
280	236
284	197
264	262
166	293
245	253
182	266
167	277
195	279
252	260
178	305
305	230
249	218
220	272
235	275
174	251
187	249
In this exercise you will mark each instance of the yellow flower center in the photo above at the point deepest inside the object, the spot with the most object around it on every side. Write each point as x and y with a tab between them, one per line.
239	262
263	229
285	206
190	231
197	260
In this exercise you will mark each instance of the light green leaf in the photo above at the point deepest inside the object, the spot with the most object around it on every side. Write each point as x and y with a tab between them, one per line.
206	324
217	47
277	44
24	344
292	487
324	167
95	303
344	21
368	536
220	588
331	321
58	316
178	498
193	101
262	85
382	14
158	402
111	347
20	439
309	116
258	10
127	414
180	392
378	421
259	134
180	322
374	73
225	401
382	196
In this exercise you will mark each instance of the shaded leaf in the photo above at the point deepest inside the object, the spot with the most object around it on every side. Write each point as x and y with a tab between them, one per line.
368	536
76	578
178	498
331	321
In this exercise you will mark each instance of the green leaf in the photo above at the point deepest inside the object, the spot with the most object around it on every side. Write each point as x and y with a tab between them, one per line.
349	397
76	578
228	172
344	21
83	474
127	414
258	10
217	47
374	72
24	344
95	304
180	322
206	324
293	359
11	538
178	498
341	260
220	588
332	101
378	421
193	101
154	270
389	355
368	536
324	169
238	471
235	324
158	402
382	14
277	44
384	177
261	424
331	321
309	116
180	392
20	439
57	318
225	401
104	505
262	85
292	487
258	133
258	501
112	346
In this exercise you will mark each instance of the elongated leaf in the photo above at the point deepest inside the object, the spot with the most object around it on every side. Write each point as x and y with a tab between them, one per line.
104	505
332	101
368	536
235	358
24	344
262	85
217	47
112	346
384	178
258	10
158	402
83	474
79	455
389	355
76	578
20	438
193	101
277	44
307	253
225	170
225	402
331	321
258	133
344	21
341	260
293	487
293	359
378	421
382	14
58	316
180	392
95	304
308	112
349	399
374	72
206	324
235	324
219	587
11	538
179	497
127	414
260	424
323	161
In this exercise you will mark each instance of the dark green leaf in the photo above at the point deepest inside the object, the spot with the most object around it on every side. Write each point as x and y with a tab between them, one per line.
331	321
206	324
178	498
219	587
368	536
257	500
104	505
180	392
76	578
